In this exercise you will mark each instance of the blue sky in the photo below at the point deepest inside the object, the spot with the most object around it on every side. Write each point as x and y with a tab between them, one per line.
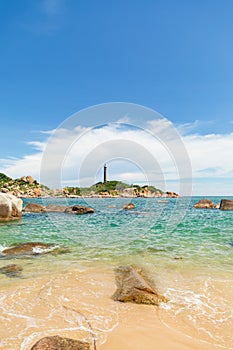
60	56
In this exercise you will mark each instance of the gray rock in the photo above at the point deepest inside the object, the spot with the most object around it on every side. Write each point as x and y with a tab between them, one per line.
132	287
226	204
59	343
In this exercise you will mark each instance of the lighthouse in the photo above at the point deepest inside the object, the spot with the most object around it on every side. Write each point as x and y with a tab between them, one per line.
105	173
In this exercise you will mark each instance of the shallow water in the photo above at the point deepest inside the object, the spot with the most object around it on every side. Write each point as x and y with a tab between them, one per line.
186	252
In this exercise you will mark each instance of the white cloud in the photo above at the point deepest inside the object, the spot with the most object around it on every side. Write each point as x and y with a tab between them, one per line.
76	156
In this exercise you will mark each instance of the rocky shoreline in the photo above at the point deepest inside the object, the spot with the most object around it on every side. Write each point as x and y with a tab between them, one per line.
27	187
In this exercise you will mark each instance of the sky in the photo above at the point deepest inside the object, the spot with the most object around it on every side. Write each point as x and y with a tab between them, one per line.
59	57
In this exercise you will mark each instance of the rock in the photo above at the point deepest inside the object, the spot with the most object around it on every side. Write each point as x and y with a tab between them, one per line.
30	248
79	209
128	206
204	204
4	190
132	287
30	180
34	208
59	343
10	207
226	204
55	208
23	178
217	206
36	192
171	195
11	270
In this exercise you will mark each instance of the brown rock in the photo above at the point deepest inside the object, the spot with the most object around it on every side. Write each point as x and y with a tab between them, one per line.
30	180
226	204
128	206
204	204
55	208
26	248
132	287
36	192
79	209
59	343
34	208
171	195
10	207
11	270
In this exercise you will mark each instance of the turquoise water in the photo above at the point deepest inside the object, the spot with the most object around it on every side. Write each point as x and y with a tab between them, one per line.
154	230
187	253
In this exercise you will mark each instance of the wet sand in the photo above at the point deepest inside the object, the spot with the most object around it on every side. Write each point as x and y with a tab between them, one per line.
77	303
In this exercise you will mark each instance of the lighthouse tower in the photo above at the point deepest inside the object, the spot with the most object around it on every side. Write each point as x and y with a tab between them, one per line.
105	173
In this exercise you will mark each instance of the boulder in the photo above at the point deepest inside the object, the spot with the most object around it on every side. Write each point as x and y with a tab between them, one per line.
30	180
60	343
33	248
226	204
55	208
34	208
128	206
79	209
132	287
10	207
11	270
204	204
171	195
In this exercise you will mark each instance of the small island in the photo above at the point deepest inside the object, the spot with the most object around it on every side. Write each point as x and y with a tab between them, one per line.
27	187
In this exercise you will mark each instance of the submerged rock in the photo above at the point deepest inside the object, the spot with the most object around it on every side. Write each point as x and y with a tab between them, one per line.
128	206
54	208
33	248
132	287
79	209
11	270
10	207
59	343
34	208
204	204
226	204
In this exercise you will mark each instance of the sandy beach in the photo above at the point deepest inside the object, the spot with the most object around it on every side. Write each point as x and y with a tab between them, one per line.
77	303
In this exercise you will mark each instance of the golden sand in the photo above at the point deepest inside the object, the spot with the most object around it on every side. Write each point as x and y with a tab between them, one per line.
77	303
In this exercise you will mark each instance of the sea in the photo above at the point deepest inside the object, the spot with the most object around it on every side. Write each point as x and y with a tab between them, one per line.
186	252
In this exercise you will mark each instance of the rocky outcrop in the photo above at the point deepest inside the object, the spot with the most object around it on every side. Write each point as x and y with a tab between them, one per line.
11	270
79	209
33	248
59	343
25	186
34	208
226	204
204	204
10	207
171	195
128	206
132	287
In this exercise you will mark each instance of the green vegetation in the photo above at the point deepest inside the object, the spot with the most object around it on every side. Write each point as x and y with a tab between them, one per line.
72	191
4	179
27	186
